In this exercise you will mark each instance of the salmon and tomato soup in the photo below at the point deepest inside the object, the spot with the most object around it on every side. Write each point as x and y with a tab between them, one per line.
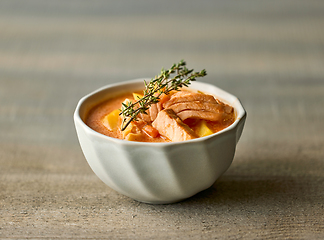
177	116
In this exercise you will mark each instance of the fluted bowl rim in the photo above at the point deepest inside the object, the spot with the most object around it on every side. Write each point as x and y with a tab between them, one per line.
222	94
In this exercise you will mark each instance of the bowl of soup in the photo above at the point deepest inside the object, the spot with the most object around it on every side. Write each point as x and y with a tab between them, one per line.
168	154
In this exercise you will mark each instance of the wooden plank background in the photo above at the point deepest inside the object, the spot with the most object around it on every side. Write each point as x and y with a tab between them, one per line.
268	53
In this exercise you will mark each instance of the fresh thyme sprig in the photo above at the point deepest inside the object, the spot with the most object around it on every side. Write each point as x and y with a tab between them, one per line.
156	87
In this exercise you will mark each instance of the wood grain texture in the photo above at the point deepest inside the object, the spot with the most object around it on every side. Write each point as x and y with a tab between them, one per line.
269	54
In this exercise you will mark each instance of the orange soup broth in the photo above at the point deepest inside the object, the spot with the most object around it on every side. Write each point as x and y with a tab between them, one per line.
96	114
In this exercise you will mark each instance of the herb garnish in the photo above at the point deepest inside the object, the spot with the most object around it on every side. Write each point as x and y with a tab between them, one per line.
156	87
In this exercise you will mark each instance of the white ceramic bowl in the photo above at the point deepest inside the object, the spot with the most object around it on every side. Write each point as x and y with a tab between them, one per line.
158	172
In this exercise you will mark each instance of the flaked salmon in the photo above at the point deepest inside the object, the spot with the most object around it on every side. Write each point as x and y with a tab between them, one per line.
198	106
186	96
171	126
201	114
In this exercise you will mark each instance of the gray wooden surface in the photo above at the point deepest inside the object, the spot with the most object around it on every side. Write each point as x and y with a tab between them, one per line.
268	53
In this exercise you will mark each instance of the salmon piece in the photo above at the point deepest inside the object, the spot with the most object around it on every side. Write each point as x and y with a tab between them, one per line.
184	96
145	117
228	109
157	107
170	125
166	97
200	114
196	105
153	112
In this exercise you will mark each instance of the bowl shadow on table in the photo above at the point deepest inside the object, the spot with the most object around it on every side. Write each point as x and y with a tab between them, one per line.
238	196
239	189
254	183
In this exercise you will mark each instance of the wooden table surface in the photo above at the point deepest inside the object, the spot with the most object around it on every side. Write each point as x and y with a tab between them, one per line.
268	53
